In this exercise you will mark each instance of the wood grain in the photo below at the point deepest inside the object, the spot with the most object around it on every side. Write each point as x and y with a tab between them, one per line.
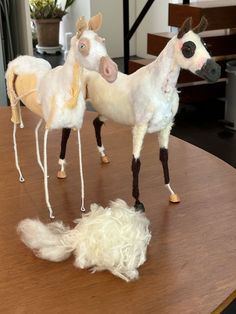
220	14
191	260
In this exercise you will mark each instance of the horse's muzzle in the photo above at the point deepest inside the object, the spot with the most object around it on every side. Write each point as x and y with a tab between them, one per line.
108	69
210	71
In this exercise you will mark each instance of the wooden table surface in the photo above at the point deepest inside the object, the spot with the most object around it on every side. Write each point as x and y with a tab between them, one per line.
191	265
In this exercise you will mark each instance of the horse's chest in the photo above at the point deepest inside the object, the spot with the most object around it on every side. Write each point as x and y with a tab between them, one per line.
163	114
63	116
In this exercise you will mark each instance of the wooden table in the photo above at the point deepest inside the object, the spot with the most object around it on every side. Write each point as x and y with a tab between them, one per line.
191	265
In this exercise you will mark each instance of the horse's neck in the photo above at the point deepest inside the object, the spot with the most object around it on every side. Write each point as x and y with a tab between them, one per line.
165	69
71	69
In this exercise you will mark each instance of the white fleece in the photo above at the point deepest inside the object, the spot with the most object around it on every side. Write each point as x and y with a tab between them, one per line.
113	238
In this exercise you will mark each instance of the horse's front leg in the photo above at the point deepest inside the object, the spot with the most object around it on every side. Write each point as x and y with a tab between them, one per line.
61	174
163	137
139	132
98	123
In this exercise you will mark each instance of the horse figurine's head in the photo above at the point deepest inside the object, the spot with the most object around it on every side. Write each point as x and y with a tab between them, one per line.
191	53
89	49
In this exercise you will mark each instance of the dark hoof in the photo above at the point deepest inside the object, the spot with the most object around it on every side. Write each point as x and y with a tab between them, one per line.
139	207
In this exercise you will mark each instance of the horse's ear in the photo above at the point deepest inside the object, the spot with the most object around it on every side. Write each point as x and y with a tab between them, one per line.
81	26
95	22
186	26
202	26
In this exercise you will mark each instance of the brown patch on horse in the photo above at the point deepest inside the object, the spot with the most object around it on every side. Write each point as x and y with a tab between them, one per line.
71	103
84	46
25	87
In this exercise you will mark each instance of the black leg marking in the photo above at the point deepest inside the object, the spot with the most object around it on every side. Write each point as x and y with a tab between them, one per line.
164	161
64	139
139	207
136	164
97	123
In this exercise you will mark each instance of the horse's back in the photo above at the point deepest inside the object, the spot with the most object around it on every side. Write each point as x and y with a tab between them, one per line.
28	64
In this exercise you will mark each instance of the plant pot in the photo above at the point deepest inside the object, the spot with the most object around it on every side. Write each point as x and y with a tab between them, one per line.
47	32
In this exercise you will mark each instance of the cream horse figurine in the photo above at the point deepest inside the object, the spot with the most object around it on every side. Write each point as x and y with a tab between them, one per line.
55	95
148	99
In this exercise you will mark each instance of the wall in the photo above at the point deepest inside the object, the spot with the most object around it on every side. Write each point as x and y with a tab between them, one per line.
156	20
78	8
112	28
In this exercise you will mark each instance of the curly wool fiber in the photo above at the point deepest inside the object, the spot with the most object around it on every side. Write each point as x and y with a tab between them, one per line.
113	238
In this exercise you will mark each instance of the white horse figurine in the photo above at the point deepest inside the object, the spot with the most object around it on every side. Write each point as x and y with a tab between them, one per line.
148	99
56	94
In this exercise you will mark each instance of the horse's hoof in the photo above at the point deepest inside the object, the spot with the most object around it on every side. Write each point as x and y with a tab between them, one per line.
139	207
105	160
174	198
61	174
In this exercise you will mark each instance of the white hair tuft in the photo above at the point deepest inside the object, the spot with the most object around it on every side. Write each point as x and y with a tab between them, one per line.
113	238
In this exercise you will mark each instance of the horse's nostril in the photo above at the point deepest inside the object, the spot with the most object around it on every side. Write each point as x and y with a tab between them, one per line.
107	71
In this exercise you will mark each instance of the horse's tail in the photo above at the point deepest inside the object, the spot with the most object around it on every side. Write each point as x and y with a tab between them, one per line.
53	241
13	98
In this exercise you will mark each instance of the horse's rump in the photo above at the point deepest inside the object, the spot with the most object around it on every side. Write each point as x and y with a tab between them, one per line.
22	88
23	76
26	90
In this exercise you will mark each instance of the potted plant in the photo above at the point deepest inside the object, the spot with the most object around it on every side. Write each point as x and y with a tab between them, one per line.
46	16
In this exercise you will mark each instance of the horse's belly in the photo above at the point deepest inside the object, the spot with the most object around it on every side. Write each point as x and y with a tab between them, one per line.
110	100
116	112
113	106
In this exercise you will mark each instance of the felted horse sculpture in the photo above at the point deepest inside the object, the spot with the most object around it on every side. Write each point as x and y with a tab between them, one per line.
55	95
148	99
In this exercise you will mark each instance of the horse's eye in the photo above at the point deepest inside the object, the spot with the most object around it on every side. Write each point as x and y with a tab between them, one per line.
188	49
82	46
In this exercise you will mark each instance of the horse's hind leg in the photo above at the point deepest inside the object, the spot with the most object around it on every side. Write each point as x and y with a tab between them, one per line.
61	174
138	137
163	137
98	123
